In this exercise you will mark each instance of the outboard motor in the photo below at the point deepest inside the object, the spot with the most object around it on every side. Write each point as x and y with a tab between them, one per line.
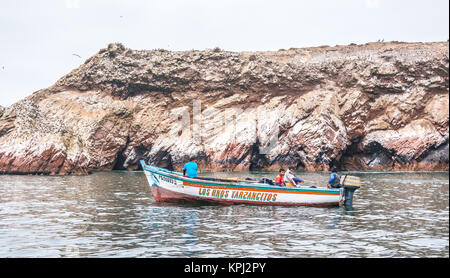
350	184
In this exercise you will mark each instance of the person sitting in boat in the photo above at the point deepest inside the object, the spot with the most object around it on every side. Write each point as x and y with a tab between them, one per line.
190	169
280	178
335	180
266	181
291	178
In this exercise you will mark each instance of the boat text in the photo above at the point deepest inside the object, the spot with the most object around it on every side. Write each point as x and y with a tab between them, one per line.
169	180
238	194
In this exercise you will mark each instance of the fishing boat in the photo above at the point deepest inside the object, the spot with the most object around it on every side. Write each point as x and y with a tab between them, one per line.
170	186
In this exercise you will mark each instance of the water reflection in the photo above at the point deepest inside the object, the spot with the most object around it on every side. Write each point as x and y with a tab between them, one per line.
190	222
115	215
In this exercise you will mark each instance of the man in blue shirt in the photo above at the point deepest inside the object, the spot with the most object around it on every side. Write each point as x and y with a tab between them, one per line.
335	180
190	169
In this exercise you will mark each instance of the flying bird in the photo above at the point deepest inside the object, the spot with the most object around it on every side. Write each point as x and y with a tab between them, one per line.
77	55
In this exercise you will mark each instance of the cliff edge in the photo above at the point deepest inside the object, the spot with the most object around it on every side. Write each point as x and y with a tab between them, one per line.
377	106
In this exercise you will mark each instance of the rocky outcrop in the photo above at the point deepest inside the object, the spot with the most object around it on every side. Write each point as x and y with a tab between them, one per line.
373	106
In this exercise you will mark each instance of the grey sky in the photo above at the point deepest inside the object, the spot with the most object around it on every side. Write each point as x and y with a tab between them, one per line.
38	38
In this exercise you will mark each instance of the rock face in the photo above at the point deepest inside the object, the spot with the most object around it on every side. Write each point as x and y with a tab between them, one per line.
373	106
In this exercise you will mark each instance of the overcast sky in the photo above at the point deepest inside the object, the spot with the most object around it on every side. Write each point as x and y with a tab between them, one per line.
38	38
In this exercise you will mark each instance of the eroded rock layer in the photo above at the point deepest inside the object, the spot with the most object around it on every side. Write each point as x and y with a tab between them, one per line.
380	106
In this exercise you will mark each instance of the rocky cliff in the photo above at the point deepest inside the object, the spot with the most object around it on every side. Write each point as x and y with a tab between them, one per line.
373	106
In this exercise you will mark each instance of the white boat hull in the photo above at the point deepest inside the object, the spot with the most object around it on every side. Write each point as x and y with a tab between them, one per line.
173	187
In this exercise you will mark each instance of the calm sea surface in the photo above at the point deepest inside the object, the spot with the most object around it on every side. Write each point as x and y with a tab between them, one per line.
114	214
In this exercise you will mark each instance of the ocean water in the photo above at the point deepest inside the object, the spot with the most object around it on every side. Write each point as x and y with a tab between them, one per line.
113	214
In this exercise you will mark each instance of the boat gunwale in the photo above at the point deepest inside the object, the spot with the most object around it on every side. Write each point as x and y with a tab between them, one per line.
174	175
